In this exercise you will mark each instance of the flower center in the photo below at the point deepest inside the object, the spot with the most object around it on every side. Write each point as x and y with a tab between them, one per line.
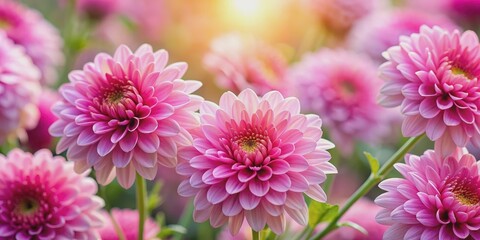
465	191
460	72
27	206
347	88
4	24
249	144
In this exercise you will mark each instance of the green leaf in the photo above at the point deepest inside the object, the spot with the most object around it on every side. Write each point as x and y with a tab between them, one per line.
154	199
354	226
374	164
321	212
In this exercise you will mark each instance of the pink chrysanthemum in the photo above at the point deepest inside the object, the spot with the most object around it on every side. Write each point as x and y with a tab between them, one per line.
39	137
241	62
41	197
126	221
19	90
377	32
433	76
254	158
98	9
342	88
437	198
42	42
126	113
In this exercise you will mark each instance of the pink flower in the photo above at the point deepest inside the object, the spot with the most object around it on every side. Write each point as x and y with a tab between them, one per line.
433	76
26	27
437	198
19	90
126	113
41	197
377	32
97	9
39	137
239	62
342	87
254	158
362	213
127	221
465	11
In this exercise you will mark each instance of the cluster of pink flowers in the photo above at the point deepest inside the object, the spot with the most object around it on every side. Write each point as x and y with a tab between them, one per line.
124	222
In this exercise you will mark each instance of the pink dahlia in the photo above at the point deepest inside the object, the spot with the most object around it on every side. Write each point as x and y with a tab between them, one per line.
19	90
42	42
433	76
362	213
437	198
126	113
241	62
342	87
39	137
254	158
126	221
379	31
41	197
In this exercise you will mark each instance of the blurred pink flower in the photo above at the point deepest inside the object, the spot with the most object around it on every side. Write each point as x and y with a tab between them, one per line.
19	90
342	87
241	62
377	32
98	9
126	113
41	197
39	137
341	15
466	11
149	16
433	76
127	221
362	213
437	198
254	158
26	27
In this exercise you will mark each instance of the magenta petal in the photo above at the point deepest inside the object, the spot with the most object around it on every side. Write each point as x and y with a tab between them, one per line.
148	125
279	166
145	159
105	146
231	206
265	173
233	185
129	142
246	175
223	171
149	143
120	158
280	183
87	137
248	200
168	128
258	188
216	194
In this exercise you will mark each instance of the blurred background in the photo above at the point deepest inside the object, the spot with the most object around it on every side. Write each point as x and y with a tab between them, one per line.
326	52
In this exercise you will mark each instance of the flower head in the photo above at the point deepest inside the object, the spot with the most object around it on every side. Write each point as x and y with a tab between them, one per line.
97	9
342	87
433	76
41	197
241	62
436	198
19	90
127	221
126	113
379	31
42	42
254	158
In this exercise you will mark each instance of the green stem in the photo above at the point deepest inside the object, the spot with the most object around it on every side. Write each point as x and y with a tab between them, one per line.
141	204
371	182
255	235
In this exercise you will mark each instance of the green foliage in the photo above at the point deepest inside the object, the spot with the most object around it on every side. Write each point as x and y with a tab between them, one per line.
373	162
321	212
